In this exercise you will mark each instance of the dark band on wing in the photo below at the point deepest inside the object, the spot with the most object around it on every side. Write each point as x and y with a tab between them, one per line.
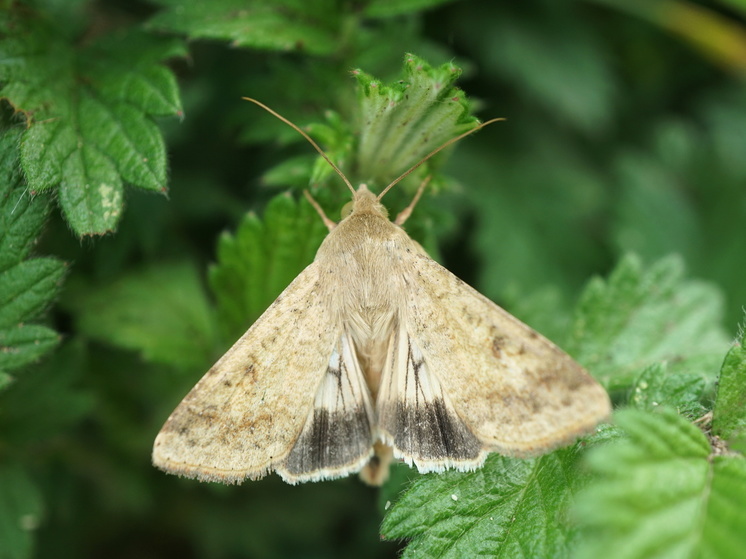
430	431
330	440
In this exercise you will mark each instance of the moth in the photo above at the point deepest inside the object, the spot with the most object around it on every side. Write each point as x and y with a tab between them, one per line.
375	351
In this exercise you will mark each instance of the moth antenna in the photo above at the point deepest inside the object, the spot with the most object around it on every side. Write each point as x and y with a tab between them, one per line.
436	150
306	136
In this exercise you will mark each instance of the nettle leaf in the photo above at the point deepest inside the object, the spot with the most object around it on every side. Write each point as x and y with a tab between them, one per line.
261	259
400	123
639	317
662	492
681	390
508	508
91	112
22	215
161	311
265	24
21	511
729	415
27	286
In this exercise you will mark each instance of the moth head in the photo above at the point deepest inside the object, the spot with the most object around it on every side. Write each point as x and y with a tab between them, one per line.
363	200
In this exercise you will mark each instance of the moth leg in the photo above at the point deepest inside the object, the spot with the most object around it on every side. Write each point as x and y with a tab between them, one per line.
406	212
328	222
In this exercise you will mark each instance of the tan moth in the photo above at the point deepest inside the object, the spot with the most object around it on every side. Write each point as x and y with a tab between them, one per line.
376	351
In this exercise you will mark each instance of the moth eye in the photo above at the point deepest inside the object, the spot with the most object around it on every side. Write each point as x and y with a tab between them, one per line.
346	210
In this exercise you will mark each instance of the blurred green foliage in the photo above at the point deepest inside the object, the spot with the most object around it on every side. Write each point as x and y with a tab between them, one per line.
625	134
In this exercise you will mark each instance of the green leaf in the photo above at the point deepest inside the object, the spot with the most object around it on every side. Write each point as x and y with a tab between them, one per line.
683	391
257	262
26	286
264	24
91	112
639	317
25	291
161	311
22	215
21	510
661	493
400	123
509	508
293	172
729	415
25	344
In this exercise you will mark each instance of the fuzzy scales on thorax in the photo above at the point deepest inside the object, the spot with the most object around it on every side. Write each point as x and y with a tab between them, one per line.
363	252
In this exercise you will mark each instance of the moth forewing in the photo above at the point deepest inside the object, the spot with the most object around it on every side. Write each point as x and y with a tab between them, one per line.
243	417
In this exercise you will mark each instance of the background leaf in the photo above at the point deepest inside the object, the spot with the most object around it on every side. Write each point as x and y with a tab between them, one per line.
50	400
729	419
387	8
639	317
284	25
161	311
90	111
27	286
659	493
